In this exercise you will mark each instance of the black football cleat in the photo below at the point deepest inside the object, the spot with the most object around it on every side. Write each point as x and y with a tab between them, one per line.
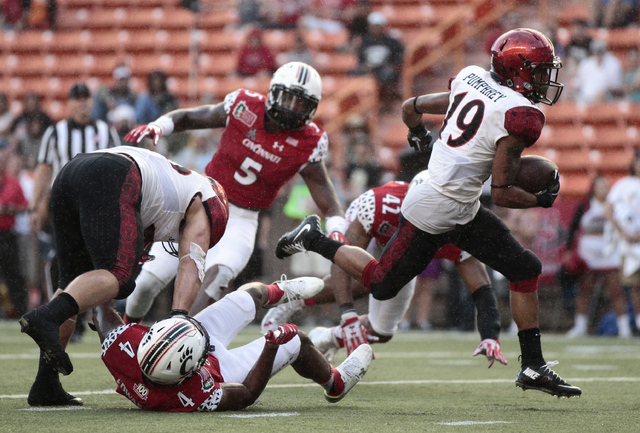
297	240
51	394
546	380
39	325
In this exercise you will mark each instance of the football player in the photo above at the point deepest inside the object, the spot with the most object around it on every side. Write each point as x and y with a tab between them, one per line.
182	364
491	117
267	140
374	216
104	206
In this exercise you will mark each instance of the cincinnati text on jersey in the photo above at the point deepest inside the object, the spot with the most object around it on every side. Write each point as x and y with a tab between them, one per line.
257	149
483	87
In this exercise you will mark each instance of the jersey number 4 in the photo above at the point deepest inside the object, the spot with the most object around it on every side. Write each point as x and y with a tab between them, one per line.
248	172
469	127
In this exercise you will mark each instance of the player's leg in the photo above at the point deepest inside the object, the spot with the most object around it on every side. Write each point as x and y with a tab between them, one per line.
153	278
229	256
586	286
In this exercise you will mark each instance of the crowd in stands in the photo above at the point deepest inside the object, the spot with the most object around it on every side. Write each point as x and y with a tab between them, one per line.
591	73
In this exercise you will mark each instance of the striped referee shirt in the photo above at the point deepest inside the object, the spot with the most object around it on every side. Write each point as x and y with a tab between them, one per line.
67	138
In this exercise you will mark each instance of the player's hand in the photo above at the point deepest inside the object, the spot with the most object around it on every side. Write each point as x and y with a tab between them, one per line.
337	236
549	195
282	335
354	334
491	349
419	138
136	135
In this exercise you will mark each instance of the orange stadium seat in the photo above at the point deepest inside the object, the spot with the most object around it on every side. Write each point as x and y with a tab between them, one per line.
330	42
279	40
158	41
217	65
563	137
574	185
603	114
572	161
177	66
606	138
614	162
71	41
562	113
335	63
219	41
218	19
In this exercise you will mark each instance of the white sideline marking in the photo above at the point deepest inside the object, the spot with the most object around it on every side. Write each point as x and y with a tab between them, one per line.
586	367
384	382
258	415
49	409
472	422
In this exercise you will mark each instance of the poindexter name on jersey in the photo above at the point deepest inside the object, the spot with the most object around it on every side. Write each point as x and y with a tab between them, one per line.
483	87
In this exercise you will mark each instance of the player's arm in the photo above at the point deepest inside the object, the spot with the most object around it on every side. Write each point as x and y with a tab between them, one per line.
419	136
506	165
38	208
192	247
106	319
203	117
321	188
236	396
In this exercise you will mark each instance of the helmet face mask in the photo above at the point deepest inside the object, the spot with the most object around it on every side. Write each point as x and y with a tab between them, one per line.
294	94
172	350
525	61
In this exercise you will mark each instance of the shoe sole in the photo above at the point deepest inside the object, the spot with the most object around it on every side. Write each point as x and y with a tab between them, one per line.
51	354
548	391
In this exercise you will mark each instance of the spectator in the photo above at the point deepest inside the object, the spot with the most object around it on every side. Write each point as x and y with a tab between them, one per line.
40	14
31	108
356	21
6	116
599	76
299	53
12	15
623	211
201	144
579	46
363	172
284	14
250	12
615	13
28	144
106	99
123	119
632	77
326	16
255	58
12	202
589	218
156	101
381	55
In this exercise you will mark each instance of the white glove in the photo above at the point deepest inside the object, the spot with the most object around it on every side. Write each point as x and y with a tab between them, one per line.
353	333
491	349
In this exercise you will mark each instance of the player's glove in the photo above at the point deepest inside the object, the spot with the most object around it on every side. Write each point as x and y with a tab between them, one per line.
419	138
491	349
282	335
548	196
353	333
136	135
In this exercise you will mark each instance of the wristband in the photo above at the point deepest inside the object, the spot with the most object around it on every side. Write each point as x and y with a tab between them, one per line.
336	223
165	123
415	100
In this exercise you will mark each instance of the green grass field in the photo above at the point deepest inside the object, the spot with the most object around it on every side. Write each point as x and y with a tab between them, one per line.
426	382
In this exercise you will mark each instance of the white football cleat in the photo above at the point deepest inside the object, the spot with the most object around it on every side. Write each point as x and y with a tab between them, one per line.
297	289
280	315
326	342
352	370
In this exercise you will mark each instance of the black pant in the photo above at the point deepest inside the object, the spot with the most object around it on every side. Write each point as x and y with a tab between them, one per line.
10	270
486	238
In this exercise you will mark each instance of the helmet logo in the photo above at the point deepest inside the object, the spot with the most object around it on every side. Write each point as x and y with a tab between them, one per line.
303	74
187	356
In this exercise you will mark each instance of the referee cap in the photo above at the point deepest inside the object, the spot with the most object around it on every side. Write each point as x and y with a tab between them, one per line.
79	90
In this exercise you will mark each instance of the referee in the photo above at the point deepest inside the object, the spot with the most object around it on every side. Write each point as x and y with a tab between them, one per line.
79	133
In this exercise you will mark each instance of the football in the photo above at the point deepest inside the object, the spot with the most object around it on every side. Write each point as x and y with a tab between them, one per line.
536	173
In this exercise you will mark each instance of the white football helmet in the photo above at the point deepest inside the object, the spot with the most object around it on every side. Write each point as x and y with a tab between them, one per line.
294	94
173	349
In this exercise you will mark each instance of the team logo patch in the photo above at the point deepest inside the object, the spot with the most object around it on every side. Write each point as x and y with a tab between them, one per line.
292	141
243	114
207	381
277	146
141	391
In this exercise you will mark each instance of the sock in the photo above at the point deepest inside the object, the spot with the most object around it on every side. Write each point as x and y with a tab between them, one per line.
488	319
275	294
62	307
580	322
337	334
334	385
310	301
624	327
324	246
46	374
531	348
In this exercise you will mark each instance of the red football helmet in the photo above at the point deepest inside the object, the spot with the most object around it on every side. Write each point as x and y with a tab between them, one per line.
526	61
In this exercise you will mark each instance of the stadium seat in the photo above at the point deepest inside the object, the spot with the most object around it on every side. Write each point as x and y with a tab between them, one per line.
329	42
609	138
217	65
218	19
177	66
279	40
561	114
219	41
572	161
574	185
563	137
613	162
602	114
335	63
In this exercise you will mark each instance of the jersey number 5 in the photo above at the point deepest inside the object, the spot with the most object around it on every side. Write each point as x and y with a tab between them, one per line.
249	169
469	127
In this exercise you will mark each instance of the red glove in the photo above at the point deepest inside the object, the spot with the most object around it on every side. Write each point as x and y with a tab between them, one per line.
136	135
337	236
353	333
282	335
491	349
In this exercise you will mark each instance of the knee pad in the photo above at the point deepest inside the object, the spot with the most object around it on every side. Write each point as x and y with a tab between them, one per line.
524	267
217	278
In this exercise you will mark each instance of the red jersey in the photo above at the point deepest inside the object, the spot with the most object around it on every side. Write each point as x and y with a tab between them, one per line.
10	195
200	392
378	210
252	164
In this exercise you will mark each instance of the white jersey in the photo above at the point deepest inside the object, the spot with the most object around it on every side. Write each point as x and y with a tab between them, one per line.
167	191
480	113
